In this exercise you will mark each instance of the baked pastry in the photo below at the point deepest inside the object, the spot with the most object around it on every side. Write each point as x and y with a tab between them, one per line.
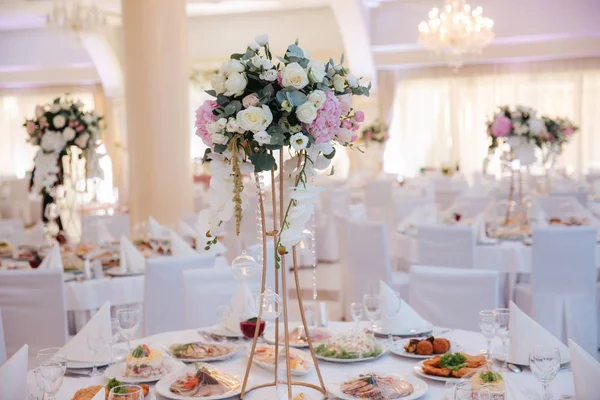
144	362
424	348
441	345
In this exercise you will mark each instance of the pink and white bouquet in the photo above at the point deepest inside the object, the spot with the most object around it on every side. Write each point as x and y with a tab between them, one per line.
520	121
375	132
292	103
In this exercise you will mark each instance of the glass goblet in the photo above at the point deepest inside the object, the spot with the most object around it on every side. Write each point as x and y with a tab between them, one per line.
488	323
95	342
502	331
372	305
544	362
129	320
52	365
356	311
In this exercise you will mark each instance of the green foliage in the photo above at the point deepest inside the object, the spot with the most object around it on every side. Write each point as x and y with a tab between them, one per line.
262	161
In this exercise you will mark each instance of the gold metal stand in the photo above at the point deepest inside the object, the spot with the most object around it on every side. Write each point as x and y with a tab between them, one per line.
278	216
511	193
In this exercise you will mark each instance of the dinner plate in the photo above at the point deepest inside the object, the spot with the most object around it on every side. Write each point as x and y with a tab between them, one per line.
116	271
117	371
269	336
163	386
232	352
420	387
85	365
419	371
294	372
220	330
420	330
399	350
350	360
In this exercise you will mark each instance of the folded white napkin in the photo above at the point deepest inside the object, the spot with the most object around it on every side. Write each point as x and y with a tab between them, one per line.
179	247
13	376
243	307
35	235
406	318
586	372
479	226
101	395
156	230
53	259
525	333
421	215
77	348
103	235
131	259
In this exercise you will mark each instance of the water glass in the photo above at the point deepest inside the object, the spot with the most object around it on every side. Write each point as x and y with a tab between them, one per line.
356	311
95	342
391	308
126	392
129	320
372	305
544	362
488	323
115	329
502	332
52	365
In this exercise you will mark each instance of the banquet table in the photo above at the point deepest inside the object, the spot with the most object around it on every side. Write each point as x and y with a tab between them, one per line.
472	342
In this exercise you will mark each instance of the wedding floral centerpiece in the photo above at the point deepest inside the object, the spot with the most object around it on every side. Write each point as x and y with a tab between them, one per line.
292	103
559	131
376	132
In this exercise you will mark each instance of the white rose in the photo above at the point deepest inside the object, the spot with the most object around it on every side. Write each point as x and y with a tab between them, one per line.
55	108
254	46
65	106
235	84
87	118
59	121
255	119
39	111
298	141
352	80
232	66
317	97
218	138
316	71
262	40
213	128
262	137
217	82
261	62
79	104
294	75
306	112
269	75
68	134
232	125
344	135
338	83
537	126
222	122
82	140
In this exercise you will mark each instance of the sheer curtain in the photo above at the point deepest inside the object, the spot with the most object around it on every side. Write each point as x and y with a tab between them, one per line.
438	116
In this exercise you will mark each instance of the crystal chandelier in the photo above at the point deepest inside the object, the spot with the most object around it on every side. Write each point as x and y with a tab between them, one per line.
455	31
76	15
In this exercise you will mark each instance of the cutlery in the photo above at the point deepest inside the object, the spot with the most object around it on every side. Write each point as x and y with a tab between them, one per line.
514	368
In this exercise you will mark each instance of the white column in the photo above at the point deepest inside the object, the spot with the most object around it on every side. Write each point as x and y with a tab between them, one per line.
156	91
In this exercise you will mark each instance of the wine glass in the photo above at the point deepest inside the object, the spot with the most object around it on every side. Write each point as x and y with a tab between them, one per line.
488	323
52	365
502	332
372	305
115	329
129	320
126	392
356	310
465	391
95	342
391	308
544	362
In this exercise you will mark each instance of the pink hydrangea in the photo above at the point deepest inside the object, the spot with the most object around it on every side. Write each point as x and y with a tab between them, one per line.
568	131
324	128
204	116
501	126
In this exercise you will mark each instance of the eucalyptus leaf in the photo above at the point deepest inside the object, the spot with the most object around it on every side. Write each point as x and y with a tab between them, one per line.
222	100
211	92
294	51
262	161
230	109
236	56
303	62
342	59
283	60
280	96
296	98
278	139
220	148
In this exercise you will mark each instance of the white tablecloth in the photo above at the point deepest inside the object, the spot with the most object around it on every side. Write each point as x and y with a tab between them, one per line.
472	342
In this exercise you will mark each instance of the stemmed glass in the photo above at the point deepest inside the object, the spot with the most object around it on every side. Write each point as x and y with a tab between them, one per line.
95	342
126	392
115	329
52	365
356	311
544	362
488	323
129	320
372	305
391	308
503	317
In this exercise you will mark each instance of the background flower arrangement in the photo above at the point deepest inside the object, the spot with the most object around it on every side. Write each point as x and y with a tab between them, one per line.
520	122
299	104
375	132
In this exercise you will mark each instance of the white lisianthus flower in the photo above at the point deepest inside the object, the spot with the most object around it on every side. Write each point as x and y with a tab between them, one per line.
222	122
537	126
254	46
82	140
232	125
262	40
294	75
232	66
306	112
269	75
55	108
352	80
344	135
316	71
298	141
317	97
217	82
261	62
235	84
262	137
338	83
213	128
68	134
87	118
59	121
218	138
39	111
255	119
52	141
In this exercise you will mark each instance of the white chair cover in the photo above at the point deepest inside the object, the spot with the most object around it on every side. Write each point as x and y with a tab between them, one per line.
444	198
562	294
33	309
406	206
203	287
452	296
447	246
2	342
13	227
379	200
580	195
163	301
117	226
557	206
326	237
15	204
471	206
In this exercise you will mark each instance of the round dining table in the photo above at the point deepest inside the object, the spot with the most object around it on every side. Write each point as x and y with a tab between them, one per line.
522	385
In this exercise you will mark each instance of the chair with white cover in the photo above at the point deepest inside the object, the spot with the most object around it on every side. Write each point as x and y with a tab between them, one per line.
164	275
331	199
204	287
15	200
447	246
453	296
12	230
2	342
379	200
562	293
580	195
471	206
444	198
406	206
116	225
557	206
33	309
368	262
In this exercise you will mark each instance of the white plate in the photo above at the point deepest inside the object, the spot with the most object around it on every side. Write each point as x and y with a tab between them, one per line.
422	330
163	386
295	372
117	371
269	337
419	371
350	360
399	350
116	271
85	364
420	388
219	330
227	356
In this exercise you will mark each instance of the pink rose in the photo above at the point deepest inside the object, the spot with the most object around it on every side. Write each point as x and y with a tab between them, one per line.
501	126
279	78
30	127
204	116
347	124
345	103
72	124
359	116
568	131
80	128
354	137
250	101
